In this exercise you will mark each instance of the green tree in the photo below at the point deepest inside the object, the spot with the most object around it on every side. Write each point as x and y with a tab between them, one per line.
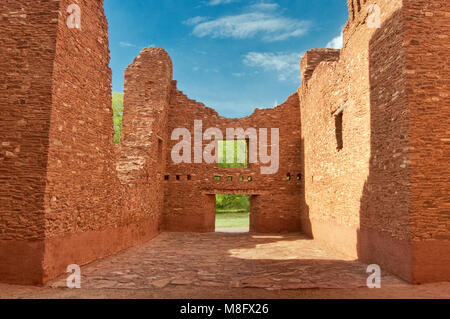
117	106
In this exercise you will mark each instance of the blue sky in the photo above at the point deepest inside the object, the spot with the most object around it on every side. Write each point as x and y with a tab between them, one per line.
232	55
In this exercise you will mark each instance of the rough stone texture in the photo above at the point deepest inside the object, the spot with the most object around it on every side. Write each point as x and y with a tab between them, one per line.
427	39
27	52
69	196
240	261
312	58
275	202
62	200
384	196
80	194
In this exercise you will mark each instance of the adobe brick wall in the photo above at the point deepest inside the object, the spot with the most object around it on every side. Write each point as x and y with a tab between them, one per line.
373	198
275	202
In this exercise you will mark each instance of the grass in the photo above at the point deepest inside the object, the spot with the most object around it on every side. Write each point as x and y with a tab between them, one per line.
228	220
232	211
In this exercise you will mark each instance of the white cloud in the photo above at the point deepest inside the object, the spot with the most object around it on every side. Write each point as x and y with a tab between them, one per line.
195	20
126	44
263	6
238	75
336	43
285	64
262	19
217	2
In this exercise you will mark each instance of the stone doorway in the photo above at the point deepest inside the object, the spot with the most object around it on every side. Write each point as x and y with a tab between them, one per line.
232	214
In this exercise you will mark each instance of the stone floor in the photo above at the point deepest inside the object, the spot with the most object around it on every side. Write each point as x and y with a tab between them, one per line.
227	260
227	265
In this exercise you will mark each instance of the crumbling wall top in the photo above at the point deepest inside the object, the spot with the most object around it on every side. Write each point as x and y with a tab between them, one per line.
312	59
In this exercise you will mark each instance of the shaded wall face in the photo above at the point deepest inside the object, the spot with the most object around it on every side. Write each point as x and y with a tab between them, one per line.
27	50
383	196
386	197
190	187
427	25
357	197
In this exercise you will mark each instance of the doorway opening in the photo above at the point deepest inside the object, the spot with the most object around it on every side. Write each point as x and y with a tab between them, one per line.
232	213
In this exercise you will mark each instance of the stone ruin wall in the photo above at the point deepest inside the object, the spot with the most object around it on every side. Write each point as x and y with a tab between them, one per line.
190	189
25	100
68	195
80	194
368	199
427	56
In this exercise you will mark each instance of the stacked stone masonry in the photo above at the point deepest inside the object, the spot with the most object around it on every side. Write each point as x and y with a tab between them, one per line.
364	145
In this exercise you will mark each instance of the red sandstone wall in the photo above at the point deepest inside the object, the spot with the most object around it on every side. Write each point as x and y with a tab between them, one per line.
102	198
275	203
364	199
427	37
142	160
25	106
80	195
69	196
357	198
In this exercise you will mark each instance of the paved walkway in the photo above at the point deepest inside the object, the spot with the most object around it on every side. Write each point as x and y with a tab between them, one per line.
227	260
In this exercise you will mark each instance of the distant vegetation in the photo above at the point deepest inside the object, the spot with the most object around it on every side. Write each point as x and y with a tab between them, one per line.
117	106
232	204
240	153
232	211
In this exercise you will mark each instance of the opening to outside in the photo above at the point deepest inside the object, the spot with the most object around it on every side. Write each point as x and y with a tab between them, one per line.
232	153
117	106
232	213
